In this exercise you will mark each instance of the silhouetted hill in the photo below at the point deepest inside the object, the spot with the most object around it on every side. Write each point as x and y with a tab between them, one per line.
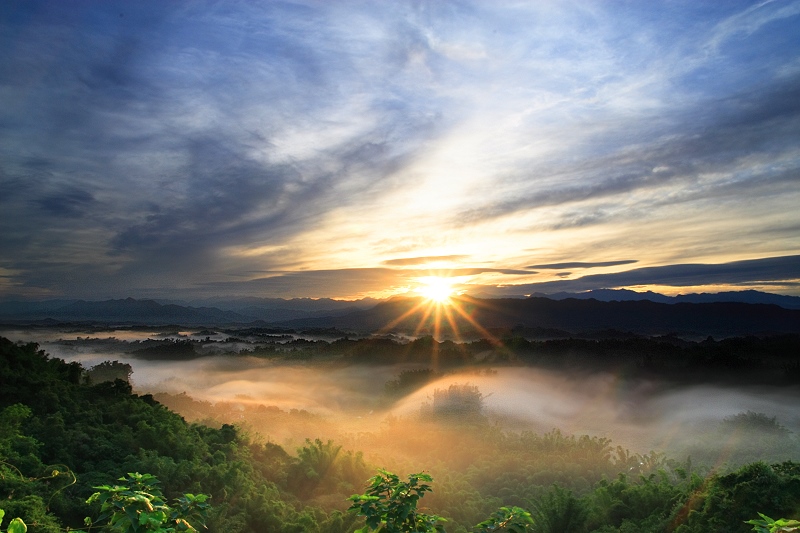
151	312
478	316
21	307
127	311
307	305
573	315
749	296
753	297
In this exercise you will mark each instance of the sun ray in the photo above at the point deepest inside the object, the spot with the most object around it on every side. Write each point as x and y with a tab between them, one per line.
440	312
483	331
388	327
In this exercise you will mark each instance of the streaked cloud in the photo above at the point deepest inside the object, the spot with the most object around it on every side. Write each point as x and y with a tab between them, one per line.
771	271
405	261
579	264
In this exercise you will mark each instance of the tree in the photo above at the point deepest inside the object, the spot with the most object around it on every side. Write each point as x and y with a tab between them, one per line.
558	511
768	525
109	371
390	505
511	519
137	506
315	460
457	402
410	380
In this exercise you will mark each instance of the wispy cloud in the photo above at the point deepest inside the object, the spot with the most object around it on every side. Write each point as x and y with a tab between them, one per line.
579	264
405	261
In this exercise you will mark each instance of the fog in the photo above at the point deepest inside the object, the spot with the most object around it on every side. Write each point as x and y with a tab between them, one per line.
288	402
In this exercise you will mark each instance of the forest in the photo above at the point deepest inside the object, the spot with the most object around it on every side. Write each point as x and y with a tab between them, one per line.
66	429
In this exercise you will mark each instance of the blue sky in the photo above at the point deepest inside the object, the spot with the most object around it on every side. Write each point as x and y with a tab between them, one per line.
349	149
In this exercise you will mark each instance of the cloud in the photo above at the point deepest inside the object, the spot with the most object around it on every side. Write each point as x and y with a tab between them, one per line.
144	148
422	260
70	202
703	150
579	264
752	20
348	283
184	136
751	271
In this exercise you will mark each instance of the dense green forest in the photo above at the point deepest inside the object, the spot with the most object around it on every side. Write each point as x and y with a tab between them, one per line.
63	433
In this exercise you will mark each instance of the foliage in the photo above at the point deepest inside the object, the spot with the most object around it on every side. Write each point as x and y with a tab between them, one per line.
511	519
457	402
726	502
315	460
646	503
109	371
390	505
29	497
754	422
49	414
322	470
137	505
17	525
749	437
768	525
558	511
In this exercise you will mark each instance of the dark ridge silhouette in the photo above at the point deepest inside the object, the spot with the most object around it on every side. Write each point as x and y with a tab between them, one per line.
573	315
151	312
538	317
127	311
748	296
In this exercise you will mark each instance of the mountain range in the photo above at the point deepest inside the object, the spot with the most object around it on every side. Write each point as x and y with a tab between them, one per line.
152	312
482	317
725	314
749	296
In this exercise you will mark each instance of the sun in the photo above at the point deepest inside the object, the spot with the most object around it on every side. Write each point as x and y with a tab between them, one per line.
437	289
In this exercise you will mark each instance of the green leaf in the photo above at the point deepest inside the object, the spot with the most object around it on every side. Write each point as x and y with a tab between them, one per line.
132	515
17	526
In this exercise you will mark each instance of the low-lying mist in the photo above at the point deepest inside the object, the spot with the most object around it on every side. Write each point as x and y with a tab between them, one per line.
287	402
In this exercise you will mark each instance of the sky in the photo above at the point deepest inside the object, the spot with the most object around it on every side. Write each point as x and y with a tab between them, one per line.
349	149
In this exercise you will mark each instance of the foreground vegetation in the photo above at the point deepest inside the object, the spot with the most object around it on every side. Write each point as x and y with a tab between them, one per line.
62	436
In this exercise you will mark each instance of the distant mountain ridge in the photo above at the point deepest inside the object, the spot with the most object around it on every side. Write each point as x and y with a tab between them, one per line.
647	313
152	312
124	311
622	295
295	304
479	316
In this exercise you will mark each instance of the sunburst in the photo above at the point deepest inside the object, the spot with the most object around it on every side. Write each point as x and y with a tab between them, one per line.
440	311
437	289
